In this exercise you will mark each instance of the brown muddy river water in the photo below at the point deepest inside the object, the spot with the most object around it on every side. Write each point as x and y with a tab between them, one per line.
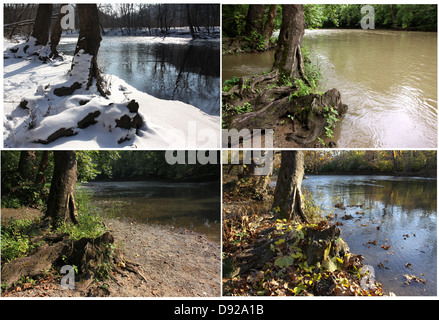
387	78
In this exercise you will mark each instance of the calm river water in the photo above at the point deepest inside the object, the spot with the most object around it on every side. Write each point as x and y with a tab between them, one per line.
396	212
194	206
168	68
387	78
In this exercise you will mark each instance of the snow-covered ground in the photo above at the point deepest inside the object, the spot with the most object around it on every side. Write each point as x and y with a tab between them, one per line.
33	113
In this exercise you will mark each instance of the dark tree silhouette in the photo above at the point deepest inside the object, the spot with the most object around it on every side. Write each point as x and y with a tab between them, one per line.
288	194
89	40
61	205
288	58
42	24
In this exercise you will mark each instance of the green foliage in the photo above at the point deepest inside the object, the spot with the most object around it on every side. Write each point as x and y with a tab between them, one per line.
233	19
404	16
302	89
230	83
15	241
285	80
140	165
319	15
104	270
331	114
246	107
20	191
256	40
10	201
312	70
417	17
92	163
90	224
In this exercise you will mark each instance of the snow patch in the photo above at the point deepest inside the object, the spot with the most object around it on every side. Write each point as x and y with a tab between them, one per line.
35	117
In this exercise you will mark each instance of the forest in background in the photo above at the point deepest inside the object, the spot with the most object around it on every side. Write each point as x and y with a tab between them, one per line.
26	175
391	162
416	17
127	17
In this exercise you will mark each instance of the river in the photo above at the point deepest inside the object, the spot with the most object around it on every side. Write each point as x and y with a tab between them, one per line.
399	212
170	68
387	78
193	206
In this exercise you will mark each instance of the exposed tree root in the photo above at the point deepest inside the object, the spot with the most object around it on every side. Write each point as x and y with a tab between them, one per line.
267	100
94	258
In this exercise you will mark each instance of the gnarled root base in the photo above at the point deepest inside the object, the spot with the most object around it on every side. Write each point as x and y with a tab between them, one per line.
267	104
93	257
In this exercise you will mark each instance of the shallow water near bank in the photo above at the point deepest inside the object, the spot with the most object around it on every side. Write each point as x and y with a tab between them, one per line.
394	225
387	78
193	206
168	68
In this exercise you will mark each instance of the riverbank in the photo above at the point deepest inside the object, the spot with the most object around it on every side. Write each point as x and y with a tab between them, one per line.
172	262
35	117
430	174
270	257
180	32
266	256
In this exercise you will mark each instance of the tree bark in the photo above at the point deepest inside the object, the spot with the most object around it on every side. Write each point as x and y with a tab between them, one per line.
26	165
288	58
40	178
287	202
55	36
42	24
61	205
255	19
189	20
89	40
308	111
269	24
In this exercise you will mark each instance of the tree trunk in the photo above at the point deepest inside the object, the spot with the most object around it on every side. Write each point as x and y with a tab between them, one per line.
89	40
288	60
26	165
287	202
269	24
40	178
42	24
55	36
189	20
61	205
255	19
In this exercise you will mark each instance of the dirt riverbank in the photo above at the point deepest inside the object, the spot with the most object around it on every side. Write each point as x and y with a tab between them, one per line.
173	263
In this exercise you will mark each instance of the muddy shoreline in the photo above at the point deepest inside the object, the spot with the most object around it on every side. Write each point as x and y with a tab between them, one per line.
174	263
